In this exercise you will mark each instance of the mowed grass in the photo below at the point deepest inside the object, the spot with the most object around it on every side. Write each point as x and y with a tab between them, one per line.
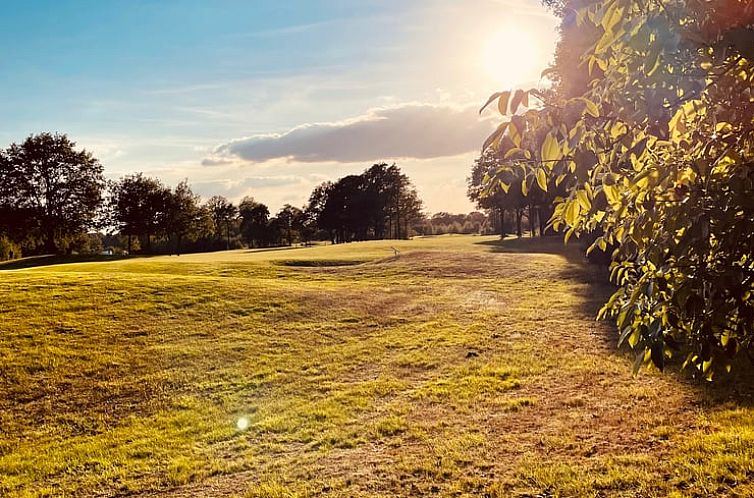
461	366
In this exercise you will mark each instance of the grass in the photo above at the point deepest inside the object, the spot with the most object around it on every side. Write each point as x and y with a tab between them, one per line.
460	367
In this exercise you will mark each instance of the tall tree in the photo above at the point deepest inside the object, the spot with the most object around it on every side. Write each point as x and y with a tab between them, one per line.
379	203
184	217
58	186
289	218
254	219
137	206
224	215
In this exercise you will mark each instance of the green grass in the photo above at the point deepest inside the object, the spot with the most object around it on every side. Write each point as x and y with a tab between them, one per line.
460	367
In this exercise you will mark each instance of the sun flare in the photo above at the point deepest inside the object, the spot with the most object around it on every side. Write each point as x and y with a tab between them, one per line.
511	57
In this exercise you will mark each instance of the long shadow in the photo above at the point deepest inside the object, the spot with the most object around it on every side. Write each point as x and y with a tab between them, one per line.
49	260
276	248
735	387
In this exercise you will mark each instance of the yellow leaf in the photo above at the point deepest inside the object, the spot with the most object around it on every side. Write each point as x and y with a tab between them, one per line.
611	193
590	107
502	102
494	139
512	152
583	200
542	179
572	212
550	151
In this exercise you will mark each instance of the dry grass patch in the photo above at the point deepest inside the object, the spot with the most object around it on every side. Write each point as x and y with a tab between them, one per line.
463	367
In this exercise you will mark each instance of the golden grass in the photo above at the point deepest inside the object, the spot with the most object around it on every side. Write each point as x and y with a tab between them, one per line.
461	367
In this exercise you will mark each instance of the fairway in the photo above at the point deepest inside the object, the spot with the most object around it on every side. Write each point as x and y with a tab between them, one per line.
450	366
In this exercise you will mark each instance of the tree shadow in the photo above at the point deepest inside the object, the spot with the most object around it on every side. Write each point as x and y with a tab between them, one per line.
50	260
275	248
736	386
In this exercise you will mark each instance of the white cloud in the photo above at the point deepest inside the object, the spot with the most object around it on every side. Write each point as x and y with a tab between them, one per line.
412	130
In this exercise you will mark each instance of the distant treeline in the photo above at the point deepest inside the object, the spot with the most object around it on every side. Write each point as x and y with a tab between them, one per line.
55	199
522	207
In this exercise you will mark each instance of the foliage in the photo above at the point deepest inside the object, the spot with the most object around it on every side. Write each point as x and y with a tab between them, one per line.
254	219
379	203
443	223
50	189
8	249
137	205
184	218
224	216
656	154
518	196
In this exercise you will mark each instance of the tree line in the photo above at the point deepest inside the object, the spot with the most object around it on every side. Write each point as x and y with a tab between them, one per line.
55	199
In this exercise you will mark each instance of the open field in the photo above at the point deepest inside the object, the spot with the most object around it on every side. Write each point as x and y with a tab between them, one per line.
461	367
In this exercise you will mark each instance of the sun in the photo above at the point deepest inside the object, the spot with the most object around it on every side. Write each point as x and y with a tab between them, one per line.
511	57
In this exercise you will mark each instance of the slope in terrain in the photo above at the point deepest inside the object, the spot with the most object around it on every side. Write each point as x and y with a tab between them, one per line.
461	367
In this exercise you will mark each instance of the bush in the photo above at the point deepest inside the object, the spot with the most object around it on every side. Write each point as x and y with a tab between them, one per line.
657	153
8	249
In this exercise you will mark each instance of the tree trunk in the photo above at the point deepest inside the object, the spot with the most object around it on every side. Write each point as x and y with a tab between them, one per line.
502	223
129	244
50	245
519	215
541	222
532	224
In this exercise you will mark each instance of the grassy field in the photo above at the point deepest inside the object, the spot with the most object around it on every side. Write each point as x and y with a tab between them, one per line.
460	367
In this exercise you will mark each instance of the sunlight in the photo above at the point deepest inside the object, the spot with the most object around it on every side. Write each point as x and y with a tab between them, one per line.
512	56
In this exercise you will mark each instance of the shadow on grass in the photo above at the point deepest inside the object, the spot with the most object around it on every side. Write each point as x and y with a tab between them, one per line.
276	248
50	259
736	387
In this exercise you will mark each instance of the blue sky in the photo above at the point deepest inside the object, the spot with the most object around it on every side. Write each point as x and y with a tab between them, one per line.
269	98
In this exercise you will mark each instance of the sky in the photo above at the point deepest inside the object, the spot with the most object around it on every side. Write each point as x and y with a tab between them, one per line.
269	99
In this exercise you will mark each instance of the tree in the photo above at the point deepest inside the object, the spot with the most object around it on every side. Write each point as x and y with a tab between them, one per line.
254	218
290	218
224	215
52	186
315	209
656	153
379	203
137	206
183	217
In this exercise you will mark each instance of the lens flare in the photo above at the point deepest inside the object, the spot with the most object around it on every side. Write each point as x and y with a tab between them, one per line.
242	424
